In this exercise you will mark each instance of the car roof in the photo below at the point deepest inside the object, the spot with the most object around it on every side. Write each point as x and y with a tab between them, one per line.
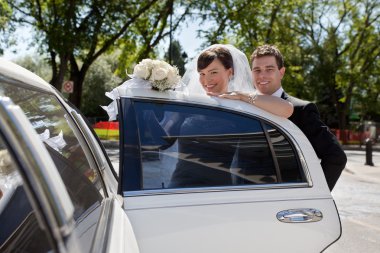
13	71
180	96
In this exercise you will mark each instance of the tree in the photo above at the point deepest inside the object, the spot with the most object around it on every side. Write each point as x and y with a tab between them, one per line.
153	27
178	56
341	38
5	13
37	65
331	48
248	24
100	78
74	34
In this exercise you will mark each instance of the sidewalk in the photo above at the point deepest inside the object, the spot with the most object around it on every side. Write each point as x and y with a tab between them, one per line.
356	160
375	147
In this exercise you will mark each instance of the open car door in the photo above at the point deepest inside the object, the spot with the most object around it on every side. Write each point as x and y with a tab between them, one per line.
205	178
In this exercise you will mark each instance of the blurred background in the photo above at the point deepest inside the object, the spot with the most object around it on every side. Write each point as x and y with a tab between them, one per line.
85	48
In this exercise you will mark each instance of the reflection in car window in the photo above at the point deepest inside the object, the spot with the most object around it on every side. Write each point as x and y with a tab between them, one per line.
20	231
186	146
287	160
75	165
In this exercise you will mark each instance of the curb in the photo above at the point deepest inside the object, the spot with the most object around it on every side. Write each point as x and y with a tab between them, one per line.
362	148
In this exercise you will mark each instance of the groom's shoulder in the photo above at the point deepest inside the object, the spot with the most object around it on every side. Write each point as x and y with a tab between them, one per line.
296	101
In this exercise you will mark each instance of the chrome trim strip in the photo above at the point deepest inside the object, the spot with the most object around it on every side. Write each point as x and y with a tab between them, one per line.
38	167
299	215
95	151
305	168
90	146
214	189
104	227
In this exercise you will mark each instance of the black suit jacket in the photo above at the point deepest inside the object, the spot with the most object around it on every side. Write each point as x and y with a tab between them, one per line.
306	116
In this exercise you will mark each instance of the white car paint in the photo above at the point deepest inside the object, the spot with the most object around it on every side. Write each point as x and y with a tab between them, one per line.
228	219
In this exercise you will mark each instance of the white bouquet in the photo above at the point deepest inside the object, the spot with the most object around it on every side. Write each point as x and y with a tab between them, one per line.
161	75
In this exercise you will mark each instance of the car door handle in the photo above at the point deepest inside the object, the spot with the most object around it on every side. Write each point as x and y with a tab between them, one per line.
300	215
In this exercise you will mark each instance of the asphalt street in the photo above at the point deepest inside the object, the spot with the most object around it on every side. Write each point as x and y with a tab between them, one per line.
357	197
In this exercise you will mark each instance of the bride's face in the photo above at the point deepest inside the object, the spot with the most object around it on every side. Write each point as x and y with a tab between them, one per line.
214	78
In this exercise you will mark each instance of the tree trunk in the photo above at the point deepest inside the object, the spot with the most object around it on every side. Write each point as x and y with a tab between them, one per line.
76	96
77	76
59	71
342	123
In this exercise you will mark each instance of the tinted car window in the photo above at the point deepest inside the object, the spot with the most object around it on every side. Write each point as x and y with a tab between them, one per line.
56	130
20	231
186	146
290	170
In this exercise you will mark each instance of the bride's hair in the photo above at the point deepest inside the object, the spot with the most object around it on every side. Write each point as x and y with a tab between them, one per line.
208	56
242	78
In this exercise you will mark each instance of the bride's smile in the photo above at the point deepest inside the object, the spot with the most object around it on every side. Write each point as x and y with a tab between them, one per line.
214	78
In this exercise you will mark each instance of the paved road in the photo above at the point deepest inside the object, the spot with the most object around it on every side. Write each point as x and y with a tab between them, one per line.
357	196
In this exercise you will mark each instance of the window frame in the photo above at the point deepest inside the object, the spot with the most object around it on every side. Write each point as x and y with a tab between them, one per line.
132	147
76	128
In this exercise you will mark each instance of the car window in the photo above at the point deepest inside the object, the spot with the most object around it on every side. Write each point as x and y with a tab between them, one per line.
57	131
186	146
20	230
288	163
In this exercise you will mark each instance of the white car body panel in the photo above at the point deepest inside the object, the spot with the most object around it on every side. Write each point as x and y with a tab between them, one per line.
228	219
14	71
123	239
119	236
232	228
214	219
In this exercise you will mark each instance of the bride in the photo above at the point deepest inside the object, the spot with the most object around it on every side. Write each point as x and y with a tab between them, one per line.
219	70
223	71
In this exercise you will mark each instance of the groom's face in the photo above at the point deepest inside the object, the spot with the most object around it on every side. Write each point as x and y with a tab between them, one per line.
214	78
266	75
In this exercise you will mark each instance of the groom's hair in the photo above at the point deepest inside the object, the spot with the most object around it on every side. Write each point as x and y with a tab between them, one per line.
268	50
218	52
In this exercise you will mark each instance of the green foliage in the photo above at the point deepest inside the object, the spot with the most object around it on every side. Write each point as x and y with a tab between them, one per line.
5	14
75	33
178	57
37	65
100	78
331	48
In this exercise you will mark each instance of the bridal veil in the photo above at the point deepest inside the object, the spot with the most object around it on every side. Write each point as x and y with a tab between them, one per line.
241	80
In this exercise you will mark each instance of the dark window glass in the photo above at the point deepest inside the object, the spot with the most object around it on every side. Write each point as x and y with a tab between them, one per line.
189	146
285	154
19	229
64	144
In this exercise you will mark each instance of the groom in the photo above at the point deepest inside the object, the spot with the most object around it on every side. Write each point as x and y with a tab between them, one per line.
267	71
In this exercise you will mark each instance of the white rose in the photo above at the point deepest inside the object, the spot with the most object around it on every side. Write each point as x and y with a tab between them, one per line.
147	62
156	63
173	77
141	71
159	74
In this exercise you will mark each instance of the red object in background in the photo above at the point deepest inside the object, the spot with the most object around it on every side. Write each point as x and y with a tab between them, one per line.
352	137
107	130
107	125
